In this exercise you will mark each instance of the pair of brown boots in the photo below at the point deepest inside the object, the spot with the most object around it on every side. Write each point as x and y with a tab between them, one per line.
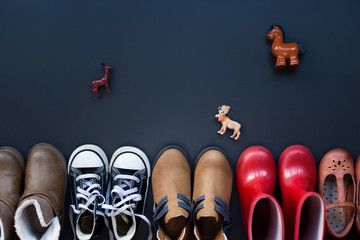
209	212
37	214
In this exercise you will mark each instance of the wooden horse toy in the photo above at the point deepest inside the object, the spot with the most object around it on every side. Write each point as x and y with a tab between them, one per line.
102	81
227	122
284	51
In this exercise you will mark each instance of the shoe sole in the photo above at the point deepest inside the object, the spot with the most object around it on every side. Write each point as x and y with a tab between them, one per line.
142	155
17	154
93	148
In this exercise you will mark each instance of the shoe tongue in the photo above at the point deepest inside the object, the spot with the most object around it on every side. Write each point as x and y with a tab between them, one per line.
175	211
207	227
123	223
82	181
122	218
174	227
129	172
85	170
86	218
86	221
93	206
114	196
207	211
207	224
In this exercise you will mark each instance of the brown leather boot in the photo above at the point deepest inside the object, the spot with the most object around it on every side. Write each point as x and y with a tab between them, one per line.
171	184
40	210
11	177
212	192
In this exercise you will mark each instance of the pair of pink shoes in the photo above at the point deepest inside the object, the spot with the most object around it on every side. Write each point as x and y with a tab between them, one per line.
303	211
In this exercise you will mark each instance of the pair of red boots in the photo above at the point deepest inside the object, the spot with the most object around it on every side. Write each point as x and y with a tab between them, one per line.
302	209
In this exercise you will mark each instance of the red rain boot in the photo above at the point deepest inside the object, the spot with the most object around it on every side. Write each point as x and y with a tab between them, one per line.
256	178
304	209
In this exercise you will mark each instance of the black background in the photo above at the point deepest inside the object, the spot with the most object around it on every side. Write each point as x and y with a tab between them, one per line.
174	63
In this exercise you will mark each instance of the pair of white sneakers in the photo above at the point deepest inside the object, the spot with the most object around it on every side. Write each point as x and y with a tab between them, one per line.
113	193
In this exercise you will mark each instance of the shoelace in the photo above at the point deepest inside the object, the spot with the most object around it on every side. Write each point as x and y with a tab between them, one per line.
89	192
128	197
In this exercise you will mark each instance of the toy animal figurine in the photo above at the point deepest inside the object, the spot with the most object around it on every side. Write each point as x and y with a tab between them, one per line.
284	51
227	122
102	81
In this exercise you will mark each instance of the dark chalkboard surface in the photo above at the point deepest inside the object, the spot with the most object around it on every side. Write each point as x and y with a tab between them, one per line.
174	63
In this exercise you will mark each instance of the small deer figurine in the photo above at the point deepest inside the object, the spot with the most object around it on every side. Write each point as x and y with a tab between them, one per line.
102	81
227	122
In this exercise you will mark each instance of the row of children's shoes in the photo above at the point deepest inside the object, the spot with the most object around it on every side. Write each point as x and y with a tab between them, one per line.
203	207
115	193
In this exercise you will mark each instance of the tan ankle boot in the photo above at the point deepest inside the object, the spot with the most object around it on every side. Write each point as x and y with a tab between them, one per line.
40	210
212	192
171	184
11	178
